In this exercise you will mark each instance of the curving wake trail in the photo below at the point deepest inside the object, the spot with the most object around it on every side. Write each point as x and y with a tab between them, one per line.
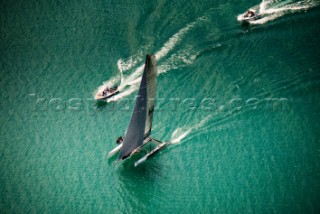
129	83
182	132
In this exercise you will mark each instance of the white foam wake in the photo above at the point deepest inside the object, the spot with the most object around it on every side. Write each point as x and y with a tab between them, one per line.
271	10
182	132
179	134
129	83
127	64
177	60
173	41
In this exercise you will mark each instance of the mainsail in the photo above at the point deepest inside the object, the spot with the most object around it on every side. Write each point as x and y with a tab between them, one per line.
141	119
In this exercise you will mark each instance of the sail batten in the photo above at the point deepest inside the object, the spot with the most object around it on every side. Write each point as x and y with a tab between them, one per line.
141	120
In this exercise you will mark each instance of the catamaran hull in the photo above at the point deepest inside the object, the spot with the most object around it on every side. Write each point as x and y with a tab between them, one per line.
150	154
161	146
115	150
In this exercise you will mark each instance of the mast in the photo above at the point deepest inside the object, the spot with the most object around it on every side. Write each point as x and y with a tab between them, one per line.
151	68
142	115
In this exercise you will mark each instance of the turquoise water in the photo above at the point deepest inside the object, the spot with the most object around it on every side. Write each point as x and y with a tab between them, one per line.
240	103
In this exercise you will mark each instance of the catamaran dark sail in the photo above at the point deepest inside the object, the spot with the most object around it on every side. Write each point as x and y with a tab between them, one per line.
138	132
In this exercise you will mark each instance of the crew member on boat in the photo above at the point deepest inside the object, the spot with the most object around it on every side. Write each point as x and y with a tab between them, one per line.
109	90
105	91
120	140
249	13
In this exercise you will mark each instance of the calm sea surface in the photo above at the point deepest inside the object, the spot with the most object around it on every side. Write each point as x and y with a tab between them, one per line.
240	103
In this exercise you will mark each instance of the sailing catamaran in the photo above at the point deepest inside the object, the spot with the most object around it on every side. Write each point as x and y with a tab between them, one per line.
139	130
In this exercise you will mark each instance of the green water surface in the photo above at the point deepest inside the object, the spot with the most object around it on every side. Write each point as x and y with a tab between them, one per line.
243	101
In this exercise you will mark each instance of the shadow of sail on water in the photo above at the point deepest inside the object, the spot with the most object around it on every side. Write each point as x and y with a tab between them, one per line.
141	120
